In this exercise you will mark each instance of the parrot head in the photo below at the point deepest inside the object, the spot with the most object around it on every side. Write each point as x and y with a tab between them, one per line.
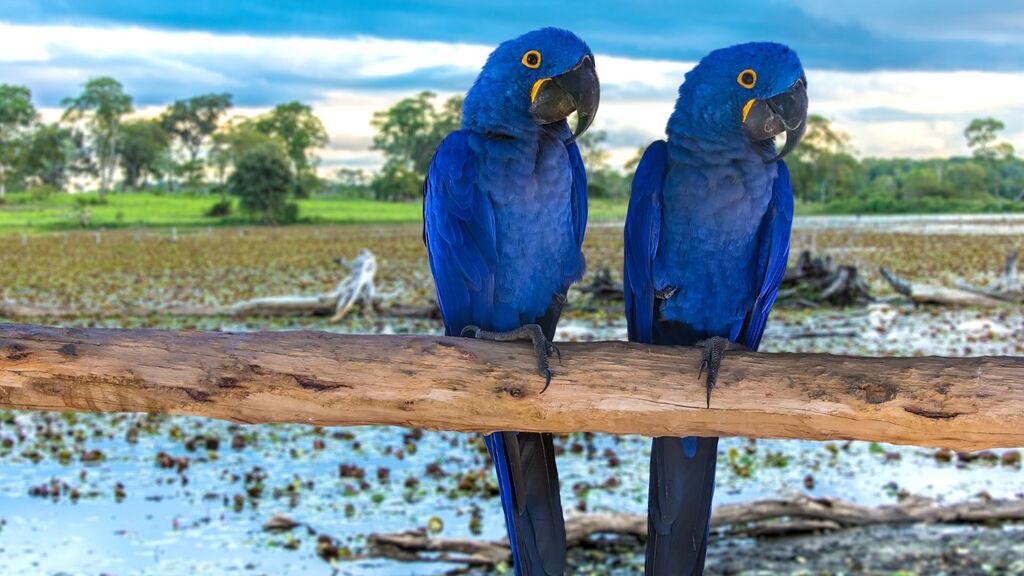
536	79
756	91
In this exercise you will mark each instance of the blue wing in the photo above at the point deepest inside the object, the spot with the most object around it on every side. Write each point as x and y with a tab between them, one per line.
579	192
458	230
643	226
773	252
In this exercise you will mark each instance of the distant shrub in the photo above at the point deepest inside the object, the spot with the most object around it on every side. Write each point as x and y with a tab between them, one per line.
82	201
221	209
394	182
264	181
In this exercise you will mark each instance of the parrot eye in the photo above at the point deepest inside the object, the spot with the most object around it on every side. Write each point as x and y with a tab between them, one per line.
747	78
531	59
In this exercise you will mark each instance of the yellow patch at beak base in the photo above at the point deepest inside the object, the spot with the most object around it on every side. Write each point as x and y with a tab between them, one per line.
746	108
536	88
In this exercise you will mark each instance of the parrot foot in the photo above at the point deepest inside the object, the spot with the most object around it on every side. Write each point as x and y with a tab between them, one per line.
714	350
541	345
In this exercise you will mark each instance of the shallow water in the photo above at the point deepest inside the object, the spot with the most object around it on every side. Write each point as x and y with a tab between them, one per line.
207	517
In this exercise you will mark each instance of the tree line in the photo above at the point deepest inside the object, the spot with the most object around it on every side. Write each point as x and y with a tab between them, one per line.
265	160
270	159
827	174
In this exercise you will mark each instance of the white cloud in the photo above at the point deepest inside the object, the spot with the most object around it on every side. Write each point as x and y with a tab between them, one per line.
914	114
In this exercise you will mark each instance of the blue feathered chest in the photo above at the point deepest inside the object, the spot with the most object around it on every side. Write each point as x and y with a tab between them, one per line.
530	185
708	249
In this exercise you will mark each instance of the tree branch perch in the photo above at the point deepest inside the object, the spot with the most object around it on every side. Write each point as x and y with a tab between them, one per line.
468	385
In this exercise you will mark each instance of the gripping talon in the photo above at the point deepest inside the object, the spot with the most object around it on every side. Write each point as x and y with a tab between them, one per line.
541	346
714	350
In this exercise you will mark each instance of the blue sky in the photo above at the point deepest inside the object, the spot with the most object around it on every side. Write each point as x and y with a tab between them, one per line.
902	76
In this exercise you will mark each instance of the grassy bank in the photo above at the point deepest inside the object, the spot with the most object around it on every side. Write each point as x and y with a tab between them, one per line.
24	213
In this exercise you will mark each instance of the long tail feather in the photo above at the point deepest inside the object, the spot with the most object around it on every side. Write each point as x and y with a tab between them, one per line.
681	490
528	482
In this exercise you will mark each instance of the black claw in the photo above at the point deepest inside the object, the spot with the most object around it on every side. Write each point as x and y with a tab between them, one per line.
714	350
541	346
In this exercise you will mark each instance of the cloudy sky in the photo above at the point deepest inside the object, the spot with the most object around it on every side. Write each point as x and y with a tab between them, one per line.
903	77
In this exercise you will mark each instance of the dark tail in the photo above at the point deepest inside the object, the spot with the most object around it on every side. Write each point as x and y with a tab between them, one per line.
528	479
682	485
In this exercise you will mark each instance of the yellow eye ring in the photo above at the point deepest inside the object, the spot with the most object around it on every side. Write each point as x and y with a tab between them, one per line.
747	78
531	59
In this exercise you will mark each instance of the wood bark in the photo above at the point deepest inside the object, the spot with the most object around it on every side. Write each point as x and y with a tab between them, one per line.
764	518
468	385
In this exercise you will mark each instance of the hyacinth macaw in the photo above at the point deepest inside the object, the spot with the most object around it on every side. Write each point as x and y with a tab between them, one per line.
504	214
706	244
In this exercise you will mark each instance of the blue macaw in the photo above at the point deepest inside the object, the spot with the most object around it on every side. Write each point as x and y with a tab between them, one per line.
706	244
504	213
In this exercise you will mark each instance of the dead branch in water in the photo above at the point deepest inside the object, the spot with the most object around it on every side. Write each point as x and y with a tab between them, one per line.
764	518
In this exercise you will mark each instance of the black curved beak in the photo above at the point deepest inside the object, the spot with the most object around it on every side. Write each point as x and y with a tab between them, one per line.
554	99
786	112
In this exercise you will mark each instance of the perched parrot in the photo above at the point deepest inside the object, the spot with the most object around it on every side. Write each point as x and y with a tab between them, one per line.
504	213
706	244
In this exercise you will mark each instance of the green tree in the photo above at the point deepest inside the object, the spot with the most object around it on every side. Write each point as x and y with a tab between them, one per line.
16	114
55	152
982	136
140	149
264	181
193	120
299	129
102	104
409	132
233	141
823	166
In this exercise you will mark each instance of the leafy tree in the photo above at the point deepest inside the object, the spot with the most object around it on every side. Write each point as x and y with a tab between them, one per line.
56	152
101	104
16	114
264	181
193	120
233	141
982	135
299	129
140	149
823	166
409	132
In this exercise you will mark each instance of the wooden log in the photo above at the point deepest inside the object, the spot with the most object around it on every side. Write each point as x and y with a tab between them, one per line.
763	518
468	385
931	294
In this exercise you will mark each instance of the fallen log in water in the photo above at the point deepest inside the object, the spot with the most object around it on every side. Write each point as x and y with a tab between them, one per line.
764	518
1005	289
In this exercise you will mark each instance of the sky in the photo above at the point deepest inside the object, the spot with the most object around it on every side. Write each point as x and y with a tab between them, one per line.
902	77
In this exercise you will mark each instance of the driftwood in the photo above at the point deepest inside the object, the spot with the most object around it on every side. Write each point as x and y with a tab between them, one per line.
1007	288
815	279
473	385
764	518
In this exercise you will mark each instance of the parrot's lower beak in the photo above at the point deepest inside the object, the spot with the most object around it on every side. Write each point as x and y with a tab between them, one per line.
554	99
785	112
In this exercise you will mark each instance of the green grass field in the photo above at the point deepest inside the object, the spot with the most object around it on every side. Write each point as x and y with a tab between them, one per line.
21	213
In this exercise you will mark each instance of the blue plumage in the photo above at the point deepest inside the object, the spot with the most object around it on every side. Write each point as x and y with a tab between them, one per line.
504	215
706	244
